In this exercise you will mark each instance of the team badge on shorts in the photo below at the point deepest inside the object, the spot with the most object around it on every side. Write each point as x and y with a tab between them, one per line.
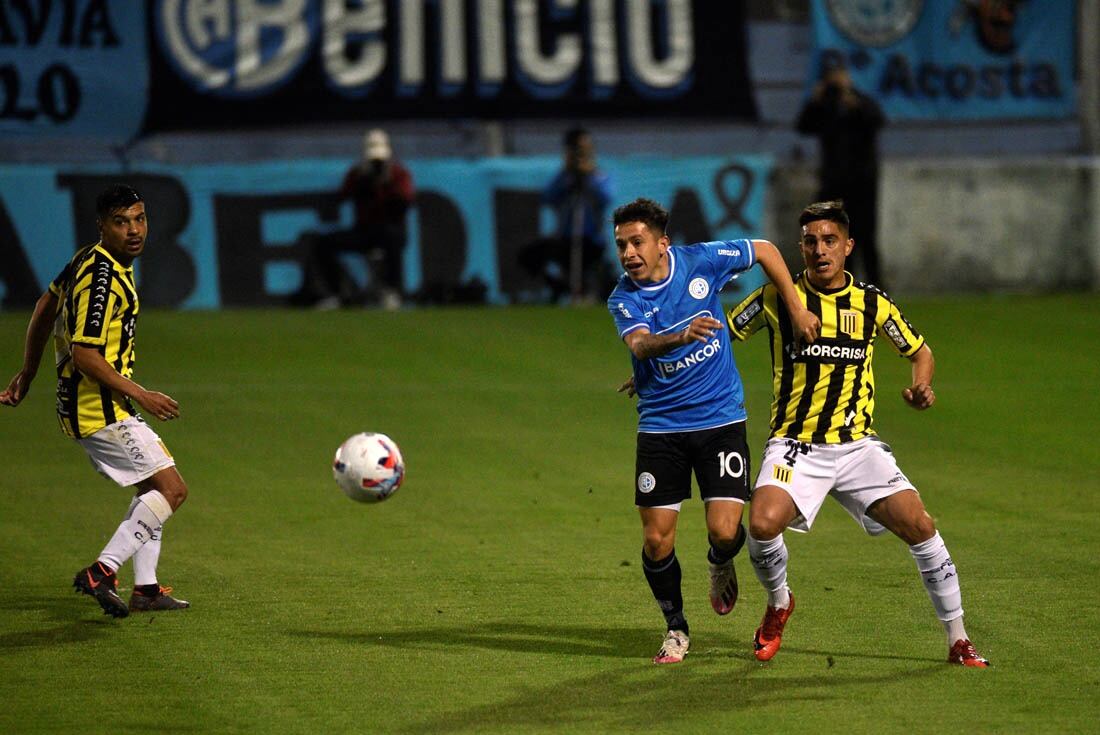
698	288
781	473
646	482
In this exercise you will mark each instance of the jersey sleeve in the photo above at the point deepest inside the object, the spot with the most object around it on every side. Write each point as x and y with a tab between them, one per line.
897	330
627	313
728	258
57	285
748	316
93	303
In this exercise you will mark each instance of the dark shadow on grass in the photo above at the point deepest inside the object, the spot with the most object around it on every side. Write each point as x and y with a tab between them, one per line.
719	677
658	698
566	640
840	655
77	623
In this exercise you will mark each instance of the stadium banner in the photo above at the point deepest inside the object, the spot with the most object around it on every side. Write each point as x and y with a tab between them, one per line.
73	68
961	60
232	235
246	63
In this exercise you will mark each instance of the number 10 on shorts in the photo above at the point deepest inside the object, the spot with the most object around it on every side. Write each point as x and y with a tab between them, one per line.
730	464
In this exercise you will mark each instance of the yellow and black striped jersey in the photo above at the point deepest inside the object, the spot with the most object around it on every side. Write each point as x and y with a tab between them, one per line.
824	393
98	307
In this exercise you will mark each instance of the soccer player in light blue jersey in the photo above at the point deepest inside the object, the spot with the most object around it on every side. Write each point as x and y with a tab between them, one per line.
690	400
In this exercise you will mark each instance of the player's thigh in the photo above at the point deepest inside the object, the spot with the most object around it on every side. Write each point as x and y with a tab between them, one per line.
867	476
720	459
662	470
805	472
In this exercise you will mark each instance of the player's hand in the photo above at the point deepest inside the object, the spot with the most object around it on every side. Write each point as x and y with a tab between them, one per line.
17	389
163	407
628	387
702	329
806	326
919	396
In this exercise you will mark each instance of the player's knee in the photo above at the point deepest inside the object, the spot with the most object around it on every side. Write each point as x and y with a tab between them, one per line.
766	523
922	528
916	529
657	545
180	495
724	534
174	492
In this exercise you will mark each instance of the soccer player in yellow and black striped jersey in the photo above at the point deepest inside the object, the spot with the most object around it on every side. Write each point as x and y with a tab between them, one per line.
822	437
92	308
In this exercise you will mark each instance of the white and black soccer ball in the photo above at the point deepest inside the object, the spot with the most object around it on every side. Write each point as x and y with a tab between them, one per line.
368	467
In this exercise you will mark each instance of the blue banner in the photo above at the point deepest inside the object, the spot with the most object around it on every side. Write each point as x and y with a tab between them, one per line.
231	235
952	60
75	68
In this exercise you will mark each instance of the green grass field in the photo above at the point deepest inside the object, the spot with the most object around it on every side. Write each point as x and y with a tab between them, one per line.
500	590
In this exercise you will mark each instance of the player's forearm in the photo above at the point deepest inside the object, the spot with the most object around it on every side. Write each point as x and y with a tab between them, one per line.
923	365
770	259
38	332
92	365
645	346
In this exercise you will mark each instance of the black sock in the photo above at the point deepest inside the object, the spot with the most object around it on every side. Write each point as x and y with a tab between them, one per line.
663	576
722	554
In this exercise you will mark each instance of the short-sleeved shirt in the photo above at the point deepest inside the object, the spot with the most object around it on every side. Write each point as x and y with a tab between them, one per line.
695	386
98	308
824	393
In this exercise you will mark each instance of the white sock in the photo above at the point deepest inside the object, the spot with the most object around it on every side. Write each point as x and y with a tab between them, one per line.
941	580
142	522
769	561
146	558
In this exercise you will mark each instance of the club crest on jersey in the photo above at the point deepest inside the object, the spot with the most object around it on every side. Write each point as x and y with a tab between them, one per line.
849	321
646	482
698	288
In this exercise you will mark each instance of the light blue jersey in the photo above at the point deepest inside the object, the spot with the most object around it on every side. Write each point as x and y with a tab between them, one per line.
695	386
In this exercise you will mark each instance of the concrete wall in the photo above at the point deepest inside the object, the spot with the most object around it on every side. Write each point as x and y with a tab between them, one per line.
972	224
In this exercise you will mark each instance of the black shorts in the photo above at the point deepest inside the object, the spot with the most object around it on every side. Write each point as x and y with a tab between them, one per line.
719	458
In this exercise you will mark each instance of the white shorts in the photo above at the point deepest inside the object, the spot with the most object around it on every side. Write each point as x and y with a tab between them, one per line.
855	473
127	451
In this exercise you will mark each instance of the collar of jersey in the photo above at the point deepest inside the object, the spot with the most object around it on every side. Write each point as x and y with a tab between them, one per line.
660	284
99	247
848	281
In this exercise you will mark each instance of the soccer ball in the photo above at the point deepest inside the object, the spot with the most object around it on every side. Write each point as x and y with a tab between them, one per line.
368	467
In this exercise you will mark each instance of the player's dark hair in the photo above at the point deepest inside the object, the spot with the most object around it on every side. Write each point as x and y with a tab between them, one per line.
833	211
115	198
573	136
647	211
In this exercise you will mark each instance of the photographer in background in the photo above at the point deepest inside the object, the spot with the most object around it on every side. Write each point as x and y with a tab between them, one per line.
382	192
847	123
574	260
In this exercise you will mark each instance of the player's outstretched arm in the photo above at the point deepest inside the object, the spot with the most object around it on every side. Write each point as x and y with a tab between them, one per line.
806	324
644	344
89	362
38	333
919	395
